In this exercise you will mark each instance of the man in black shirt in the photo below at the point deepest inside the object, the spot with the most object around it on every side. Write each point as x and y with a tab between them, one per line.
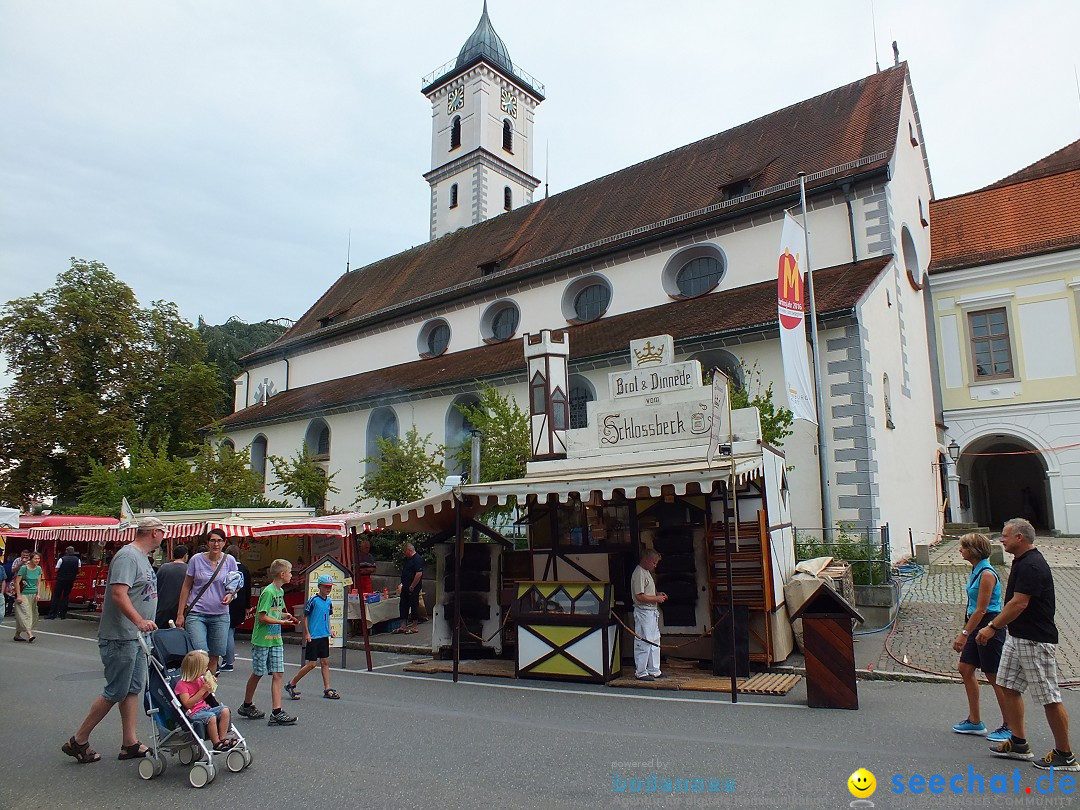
412	578
1028	658
67	570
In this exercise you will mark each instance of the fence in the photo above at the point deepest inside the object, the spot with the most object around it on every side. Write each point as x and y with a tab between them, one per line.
866	548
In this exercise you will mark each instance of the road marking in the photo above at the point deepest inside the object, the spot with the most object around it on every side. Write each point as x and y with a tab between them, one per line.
612	694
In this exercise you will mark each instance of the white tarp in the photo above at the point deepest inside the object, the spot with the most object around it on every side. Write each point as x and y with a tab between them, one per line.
9	518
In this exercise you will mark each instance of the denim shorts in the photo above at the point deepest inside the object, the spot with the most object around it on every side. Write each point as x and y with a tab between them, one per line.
208	631
207	714
125	668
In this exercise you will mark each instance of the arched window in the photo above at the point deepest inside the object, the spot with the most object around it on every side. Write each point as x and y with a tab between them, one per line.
911	258
382	424
726	362
538	394
453	195
581	394
258	456
227	448
508	199
508	135
560	410
455	132
317	439
459	432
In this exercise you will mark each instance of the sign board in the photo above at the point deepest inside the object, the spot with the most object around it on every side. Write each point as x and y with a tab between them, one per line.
678	423
338	593
654	380
658	350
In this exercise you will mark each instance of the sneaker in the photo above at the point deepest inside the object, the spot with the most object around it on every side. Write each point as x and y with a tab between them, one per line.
225	668
295	695
659	676
645	677
1008	748
967	727
999	735
250	711
1054	761
279	718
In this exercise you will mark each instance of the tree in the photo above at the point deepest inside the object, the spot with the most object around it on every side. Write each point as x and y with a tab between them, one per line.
775	422
76	355
304	478
403	470
230	341
225	474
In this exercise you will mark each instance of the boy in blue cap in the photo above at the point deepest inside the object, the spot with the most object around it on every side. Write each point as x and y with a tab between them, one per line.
315	623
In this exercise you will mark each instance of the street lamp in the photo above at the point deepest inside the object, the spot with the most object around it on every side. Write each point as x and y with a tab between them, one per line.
954	451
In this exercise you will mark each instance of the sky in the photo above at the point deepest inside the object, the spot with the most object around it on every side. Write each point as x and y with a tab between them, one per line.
223	155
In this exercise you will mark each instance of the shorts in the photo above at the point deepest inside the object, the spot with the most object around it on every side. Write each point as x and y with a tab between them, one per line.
1027	663
986	657
266	660
125	668
209	631
317	648
207	714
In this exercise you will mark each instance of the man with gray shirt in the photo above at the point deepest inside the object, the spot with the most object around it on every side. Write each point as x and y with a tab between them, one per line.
129	609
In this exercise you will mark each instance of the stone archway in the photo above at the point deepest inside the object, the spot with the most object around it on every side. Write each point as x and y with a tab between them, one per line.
1006	478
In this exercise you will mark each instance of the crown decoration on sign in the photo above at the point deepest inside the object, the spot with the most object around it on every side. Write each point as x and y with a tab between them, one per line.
648	355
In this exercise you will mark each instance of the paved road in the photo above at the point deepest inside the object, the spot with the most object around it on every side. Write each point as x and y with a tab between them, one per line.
403	740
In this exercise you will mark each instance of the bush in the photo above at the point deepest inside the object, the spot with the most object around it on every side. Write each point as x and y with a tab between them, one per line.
870	562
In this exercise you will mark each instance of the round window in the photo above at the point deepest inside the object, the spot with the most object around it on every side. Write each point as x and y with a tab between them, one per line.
505	323
699	275
592	302
438	338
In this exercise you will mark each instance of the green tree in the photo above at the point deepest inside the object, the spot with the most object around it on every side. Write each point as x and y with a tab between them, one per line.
75	353
403	469
225	474
230	341
775	421
304	478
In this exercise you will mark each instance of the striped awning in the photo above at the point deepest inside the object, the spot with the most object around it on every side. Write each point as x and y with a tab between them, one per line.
177	531
84	534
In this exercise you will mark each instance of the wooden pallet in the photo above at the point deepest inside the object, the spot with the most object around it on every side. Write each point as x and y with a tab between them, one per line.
768	683
494	667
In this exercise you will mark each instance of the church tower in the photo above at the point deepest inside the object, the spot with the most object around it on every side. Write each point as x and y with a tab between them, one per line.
482	109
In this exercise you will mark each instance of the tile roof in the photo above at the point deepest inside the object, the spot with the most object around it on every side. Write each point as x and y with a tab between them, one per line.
1027	218
1063	160
748	308
841	127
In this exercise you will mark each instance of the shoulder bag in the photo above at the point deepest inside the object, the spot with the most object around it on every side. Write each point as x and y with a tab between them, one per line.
198	596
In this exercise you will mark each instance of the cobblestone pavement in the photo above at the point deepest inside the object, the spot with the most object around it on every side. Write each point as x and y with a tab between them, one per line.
932	611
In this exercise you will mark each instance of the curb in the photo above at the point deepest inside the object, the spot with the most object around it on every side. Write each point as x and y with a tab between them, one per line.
877	675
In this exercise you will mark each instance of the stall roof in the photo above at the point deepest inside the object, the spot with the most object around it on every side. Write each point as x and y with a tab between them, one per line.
335	525
435	513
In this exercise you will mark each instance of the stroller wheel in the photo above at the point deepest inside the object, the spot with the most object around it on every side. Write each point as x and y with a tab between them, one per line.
187	755
247	757
200	775
147	768
160	764
235	761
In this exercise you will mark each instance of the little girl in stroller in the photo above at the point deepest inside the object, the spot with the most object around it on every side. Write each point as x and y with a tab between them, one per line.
192	689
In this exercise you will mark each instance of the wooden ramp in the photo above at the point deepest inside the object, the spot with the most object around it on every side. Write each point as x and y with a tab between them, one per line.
492	667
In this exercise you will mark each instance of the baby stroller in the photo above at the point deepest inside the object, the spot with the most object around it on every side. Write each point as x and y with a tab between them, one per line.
174	732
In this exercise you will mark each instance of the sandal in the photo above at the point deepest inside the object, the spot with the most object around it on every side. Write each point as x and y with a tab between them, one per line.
134	751
224	745
32	639
83	753
400	631
412	630
294	693
18	638
332	694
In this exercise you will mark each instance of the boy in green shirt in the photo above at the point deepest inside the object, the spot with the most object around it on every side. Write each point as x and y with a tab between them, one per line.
267	655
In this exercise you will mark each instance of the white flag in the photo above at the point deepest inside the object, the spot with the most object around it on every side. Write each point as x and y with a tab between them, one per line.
720	430
127	517
791	304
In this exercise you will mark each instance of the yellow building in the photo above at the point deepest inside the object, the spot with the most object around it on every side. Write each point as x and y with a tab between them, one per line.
1005	283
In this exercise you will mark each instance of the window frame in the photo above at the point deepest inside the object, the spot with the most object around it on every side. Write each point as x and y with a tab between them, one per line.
974	342
455	133
453	195
508	136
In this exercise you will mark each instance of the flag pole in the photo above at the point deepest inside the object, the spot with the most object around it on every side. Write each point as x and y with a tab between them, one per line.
819	394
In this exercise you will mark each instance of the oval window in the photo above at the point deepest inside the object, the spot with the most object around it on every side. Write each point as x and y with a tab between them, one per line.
592	302
699	275
438	339
505	323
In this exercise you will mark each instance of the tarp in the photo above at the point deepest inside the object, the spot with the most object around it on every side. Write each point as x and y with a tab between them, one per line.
326	525
9	517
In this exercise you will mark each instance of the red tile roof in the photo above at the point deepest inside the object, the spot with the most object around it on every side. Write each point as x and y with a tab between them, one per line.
1028	218
1065	159
858	122
748	308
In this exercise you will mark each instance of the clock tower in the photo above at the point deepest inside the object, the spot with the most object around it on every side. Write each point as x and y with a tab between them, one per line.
482	108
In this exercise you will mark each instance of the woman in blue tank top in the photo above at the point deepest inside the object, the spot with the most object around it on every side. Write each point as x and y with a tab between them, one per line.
983	604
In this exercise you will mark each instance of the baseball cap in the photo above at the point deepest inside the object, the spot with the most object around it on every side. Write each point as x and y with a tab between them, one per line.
148	523
325	579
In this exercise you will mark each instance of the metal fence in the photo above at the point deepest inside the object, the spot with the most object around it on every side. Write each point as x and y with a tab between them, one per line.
865	547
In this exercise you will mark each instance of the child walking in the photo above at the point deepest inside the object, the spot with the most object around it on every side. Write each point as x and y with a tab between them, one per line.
193	688
267	656
317	634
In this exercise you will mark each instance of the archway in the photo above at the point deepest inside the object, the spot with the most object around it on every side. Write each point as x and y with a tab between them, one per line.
1006	478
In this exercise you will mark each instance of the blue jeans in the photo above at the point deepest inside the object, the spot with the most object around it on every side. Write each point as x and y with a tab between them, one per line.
230	648
208	632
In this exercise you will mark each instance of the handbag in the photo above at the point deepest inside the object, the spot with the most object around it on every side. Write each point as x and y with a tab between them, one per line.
198	596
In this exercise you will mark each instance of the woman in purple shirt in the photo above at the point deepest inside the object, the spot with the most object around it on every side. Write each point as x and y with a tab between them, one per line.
208	618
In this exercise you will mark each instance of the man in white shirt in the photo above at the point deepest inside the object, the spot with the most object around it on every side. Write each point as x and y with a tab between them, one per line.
647	618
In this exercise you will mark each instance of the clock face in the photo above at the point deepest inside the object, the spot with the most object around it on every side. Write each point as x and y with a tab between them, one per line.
455	100
508	103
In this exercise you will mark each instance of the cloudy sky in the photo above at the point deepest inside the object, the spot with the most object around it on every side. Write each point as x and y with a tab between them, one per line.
218	154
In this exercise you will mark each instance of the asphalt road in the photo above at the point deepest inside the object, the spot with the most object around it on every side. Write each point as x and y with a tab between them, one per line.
404	740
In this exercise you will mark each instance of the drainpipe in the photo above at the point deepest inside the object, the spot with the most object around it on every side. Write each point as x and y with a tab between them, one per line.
286	359
247	387
848	197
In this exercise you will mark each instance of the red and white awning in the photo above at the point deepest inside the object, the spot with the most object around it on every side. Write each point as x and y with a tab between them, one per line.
83	534
178	531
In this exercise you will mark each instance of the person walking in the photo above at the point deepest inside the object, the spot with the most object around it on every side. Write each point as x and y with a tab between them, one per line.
67	570
129	608
983	606
206	613
1029	657
170	582
13	566
412	577
267	655
238	608
26	594
315	625
647	617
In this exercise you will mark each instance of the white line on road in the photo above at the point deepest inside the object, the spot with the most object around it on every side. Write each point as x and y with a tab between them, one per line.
612	695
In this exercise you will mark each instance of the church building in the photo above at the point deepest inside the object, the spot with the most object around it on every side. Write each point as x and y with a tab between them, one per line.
684	244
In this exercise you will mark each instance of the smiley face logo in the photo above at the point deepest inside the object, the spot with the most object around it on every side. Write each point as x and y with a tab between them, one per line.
862	784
